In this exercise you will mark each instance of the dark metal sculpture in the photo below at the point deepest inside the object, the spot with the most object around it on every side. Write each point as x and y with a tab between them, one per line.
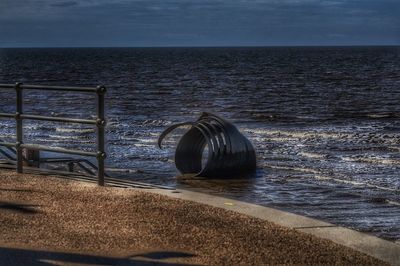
229	152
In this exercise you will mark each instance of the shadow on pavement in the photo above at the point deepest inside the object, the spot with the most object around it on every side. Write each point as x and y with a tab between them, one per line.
17	257
21	208
18	190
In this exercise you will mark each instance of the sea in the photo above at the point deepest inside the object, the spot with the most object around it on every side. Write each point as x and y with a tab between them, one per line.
325	121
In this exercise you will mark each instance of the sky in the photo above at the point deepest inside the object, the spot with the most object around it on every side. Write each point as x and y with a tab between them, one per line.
153	23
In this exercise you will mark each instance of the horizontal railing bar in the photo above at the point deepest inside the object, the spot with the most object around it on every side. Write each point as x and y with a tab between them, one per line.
7	86
59	119
8	115
8	144
59	88
53	88
58	150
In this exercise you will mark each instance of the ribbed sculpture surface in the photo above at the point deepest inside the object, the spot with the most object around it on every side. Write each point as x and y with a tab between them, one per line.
230	154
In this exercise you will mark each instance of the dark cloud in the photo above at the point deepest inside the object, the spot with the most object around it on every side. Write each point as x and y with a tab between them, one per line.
64	4
198	22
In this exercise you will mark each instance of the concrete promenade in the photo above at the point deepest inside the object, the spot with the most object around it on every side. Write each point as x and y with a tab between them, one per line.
50	220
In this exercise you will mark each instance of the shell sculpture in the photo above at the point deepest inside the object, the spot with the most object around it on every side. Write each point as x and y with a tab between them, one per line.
230	154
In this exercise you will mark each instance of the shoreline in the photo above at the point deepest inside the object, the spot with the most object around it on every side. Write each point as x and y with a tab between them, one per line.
47	218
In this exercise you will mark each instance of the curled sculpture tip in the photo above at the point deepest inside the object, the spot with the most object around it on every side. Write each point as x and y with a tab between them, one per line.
169	130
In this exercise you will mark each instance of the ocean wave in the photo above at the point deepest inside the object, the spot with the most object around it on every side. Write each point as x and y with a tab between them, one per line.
319	176
261	135
154	123
64	139
38	127
75	130
355	183
122	170
373	160
59	137
313	155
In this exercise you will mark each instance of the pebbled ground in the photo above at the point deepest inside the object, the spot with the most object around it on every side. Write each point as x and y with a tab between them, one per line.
52	221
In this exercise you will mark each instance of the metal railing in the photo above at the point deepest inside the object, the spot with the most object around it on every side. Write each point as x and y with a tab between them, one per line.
20	116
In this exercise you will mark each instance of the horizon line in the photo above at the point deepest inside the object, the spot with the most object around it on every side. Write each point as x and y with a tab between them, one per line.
200	46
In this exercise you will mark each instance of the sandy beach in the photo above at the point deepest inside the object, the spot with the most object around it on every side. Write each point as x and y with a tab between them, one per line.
62	222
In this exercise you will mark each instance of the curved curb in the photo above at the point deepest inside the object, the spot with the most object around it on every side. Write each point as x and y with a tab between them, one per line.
373	246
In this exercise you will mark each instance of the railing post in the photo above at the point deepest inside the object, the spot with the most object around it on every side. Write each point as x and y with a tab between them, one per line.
18	120
101	123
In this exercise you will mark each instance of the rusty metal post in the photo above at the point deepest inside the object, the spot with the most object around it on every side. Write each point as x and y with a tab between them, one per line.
18	120
101	123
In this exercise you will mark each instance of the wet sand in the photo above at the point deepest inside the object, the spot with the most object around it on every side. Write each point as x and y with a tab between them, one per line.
52	220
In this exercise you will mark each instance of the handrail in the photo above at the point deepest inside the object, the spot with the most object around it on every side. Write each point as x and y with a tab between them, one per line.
59	119
7	115
7	86
19	116
58	150
50	88
7	144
